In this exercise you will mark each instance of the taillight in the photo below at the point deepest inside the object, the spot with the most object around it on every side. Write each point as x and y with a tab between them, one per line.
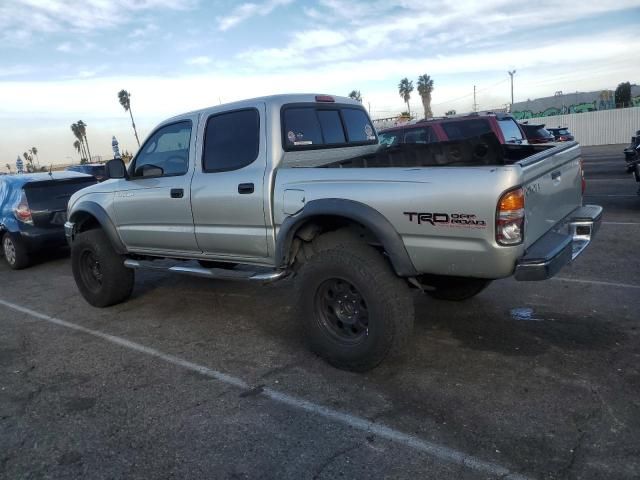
510	218
325	98
562	139
22	210
583	180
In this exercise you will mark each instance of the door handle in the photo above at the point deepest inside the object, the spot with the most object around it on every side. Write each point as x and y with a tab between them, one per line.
177	193
245	188
555	175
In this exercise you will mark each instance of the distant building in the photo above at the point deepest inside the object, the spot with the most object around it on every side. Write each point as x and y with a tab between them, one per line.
562	103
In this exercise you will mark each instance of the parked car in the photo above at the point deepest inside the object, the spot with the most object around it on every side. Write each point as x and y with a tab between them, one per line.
504	126
561	134
33	209
95	169
298	185
537	133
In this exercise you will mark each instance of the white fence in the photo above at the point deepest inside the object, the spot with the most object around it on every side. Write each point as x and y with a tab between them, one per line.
604	127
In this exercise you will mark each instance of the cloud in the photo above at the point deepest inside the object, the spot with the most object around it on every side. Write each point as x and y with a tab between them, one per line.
15	70
247	10
64	47
202	60
145	31
36	17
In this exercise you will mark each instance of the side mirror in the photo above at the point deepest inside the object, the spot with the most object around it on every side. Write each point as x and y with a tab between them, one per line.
115	169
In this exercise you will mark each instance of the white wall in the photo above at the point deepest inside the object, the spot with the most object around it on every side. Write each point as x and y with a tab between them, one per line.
604	127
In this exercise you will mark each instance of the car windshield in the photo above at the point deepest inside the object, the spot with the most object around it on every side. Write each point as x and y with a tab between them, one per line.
390	138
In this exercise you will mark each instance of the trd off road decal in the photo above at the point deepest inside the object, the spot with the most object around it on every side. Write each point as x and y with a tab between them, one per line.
467	220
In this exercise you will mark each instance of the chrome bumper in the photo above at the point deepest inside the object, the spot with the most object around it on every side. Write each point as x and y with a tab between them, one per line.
559	246
69	230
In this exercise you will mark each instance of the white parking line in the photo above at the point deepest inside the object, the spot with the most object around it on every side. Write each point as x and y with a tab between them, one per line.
596	282
441	452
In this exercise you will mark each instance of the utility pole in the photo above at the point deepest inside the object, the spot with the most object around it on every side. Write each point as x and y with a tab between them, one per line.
475	105
511	74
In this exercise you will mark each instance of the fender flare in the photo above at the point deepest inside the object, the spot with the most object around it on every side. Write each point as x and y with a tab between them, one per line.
349	210
99	213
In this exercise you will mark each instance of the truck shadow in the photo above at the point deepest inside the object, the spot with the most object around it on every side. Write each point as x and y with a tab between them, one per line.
481	324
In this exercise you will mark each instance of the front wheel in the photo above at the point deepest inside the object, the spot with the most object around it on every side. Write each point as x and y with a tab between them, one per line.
15	251
355	310
99	270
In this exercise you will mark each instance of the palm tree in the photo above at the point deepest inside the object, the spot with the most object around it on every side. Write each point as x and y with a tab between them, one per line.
34	151
425	87
29	159
82	129
76	132
125	101
405	87
76	145
355	94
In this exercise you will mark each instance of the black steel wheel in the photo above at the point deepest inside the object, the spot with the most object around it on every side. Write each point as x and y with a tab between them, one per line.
355	310
342	311
99	270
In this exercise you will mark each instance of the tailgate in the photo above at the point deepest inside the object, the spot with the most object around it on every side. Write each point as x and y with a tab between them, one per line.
553	188
48	199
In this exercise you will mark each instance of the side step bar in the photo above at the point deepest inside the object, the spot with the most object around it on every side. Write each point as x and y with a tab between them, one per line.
215	273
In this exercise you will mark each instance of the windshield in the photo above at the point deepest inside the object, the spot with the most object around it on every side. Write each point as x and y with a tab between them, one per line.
389	138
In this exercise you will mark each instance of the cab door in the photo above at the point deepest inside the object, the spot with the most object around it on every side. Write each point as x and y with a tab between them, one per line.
153	206
228	193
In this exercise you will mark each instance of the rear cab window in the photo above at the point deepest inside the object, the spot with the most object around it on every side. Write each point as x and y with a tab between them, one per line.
231	140
510	130
460	129
310	126
421	135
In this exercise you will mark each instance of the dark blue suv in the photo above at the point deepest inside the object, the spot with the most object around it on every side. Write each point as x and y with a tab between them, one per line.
33	209
95	169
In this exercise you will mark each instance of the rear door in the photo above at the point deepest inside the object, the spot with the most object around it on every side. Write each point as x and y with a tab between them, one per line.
48	199
227	193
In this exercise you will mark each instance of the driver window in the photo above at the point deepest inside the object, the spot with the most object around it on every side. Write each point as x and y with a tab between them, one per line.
166	153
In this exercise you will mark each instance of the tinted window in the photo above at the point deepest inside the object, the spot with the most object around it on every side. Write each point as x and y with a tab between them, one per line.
390	138
331	125
308	126
466	128
419	135
510	130
302	127
359	128
168	149
231	140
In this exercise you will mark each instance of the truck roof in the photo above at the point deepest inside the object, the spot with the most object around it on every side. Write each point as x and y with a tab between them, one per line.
277	100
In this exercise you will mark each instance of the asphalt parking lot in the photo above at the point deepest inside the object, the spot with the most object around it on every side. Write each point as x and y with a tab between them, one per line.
194	378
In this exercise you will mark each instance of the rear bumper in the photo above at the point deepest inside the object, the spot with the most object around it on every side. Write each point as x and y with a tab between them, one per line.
560	245
42	238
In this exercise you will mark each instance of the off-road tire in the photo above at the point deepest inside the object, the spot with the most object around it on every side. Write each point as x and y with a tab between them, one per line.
457	289
388	304
15	251
110	282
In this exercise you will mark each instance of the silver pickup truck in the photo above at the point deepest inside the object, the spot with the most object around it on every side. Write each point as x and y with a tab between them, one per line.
298	185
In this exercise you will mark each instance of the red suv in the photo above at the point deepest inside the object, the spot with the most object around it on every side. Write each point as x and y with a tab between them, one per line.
435	130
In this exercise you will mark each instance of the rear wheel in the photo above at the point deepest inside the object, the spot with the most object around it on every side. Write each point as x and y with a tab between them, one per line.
354	308
15	251
454	289
99	271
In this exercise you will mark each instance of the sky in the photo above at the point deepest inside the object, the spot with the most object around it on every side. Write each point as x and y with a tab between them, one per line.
66	60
